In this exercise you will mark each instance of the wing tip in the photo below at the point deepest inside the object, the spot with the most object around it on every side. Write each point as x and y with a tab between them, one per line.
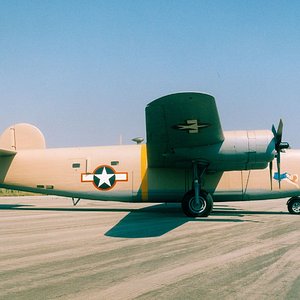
183	96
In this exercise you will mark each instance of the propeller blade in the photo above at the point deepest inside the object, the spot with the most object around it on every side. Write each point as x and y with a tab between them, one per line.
279	132
274	131
278	169
271	174
279	146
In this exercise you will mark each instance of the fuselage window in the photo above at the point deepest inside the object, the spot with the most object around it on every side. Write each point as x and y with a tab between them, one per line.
76	165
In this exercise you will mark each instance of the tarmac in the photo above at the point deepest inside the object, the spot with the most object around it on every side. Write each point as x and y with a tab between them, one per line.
110	250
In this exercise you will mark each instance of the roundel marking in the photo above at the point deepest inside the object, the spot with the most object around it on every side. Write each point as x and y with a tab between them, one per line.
104	177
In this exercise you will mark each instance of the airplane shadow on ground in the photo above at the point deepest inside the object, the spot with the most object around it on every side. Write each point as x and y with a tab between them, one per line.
71	209
160	219
153	221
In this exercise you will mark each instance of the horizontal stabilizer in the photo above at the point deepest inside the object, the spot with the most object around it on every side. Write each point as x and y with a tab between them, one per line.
4	153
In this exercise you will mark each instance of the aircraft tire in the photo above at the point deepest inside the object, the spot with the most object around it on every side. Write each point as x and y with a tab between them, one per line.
294	205
189	208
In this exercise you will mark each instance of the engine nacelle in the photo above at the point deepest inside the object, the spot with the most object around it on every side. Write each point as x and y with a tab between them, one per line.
240	150
244	150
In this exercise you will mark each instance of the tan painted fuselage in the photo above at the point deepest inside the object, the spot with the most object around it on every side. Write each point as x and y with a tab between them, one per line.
72	172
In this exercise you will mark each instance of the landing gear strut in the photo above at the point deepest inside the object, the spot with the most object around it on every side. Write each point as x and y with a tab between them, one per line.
197	202
75	201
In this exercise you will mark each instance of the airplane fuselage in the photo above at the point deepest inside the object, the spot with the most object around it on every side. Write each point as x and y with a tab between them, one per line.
121	173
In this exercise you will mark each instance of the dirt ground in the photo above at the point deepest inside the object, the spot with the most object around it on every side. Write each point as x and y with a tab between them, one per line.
109	250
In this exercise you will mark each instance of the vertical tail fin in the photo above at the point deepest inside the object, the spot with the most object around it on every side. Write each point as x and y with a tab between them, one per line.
21	136
18	137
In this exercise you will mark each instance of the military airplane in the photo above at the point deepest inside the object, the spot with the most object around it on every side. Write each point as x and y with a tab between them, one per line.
188	158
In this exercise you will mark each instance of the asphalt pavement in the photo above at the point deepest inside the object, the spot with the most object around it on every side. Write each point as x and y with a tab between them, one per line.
110	250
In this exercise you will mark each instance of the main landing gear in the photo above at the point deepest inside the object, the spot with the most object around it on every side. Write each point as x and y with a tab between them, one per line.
294	205
197	202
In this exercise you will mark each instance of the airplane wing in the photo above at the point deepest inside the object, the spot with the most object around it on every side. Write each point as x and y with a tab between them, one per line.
182	120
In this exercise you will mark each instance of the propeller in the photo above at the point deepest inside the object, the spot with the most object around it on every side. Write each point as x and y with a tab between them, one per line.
279	146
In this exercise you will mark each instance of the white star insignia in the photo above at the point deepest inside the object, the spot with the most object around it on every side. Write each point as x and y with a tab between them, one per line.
104	177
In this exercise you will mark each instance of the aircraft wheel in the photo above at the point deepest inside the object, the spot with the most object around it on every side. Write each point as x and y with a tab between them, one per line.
191	209
294	205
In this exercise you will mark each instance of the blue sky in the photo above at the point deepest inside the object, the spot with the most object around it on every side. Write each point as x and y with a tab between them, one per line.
83	71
